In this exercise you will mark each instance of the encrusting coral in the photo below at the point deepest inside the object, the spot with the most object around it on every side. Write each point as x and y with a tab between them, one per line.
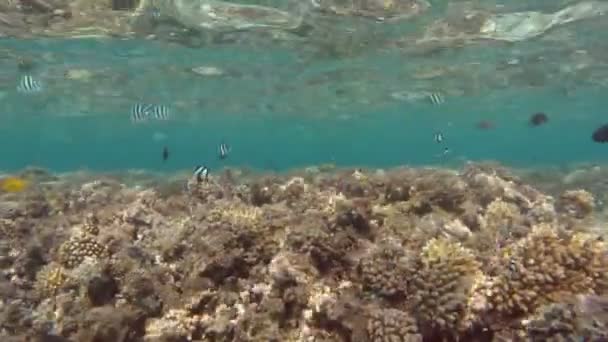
345	255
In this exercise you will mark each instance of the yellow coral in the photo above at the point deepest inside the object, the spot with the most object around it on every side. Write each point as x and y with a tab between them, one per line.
237	215
50	279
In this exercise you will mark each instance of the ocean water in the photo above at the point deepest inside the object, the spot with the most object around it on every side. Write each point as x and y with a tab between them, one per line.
292	102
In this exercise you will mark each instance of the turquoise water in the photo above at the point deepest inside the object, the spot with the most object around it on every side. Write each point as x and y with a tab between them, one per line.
283	105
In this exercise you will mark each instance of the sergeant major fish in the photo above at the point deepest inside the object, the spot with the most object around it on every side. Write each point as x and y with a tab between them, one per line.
223	150
140	112
201	173
160	112
29	85
436	98
438	137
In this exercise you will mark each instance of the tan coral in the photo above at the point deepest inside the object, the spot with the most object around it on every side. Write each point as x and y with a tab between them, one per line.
500	214
77	248
236	214
545	268
175	322
385	271
576	203
392	325
441	287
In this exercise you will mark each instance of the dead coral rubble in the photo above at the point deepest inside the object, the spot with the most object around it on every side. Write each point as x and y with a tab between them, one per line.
398	255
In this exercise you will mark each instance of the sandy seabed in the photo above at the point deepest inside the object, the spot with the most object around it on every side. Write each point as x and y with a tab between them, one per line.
405	254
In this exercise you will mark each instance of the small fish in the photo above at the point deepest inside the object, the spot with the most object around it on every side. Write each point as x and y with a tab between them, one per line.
446	150
13	184
29	85
223	150
436	98
538	119
201	172
140	112
600	135
160	112
485	125
438	137
155	13
165	153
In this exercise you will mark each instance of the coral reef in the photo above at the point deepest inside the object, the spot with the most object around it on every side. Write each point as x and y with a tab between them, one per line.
313	255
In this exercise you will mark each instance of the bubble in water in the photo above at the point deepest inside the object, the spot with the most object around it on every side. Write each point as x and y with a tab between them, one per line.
159	136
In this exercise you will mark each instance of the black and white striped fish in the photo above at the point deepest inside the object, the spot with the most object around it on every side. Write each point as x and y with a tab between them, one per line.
155	13
438	137
436	98
28	84
159	112
201	173
223	150
140	112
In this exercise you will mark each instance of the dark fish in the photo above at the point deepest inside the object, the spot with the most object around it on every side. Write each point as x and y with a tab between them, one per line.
485	125
160	112
201	173
436	98
538	119
600	135
165	153
223	150
140	112
438	137
29	85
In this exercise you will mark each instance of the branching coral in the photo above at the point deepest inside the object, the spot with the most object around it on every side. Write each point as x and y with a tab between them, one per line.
546	268
392	325
385	272
441	287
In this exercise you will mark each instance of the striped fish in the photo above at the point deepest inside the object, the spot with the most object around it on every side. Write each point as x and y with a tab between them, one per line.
438	137
140	112
201	173
223	150
436	98
159	112
29	85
